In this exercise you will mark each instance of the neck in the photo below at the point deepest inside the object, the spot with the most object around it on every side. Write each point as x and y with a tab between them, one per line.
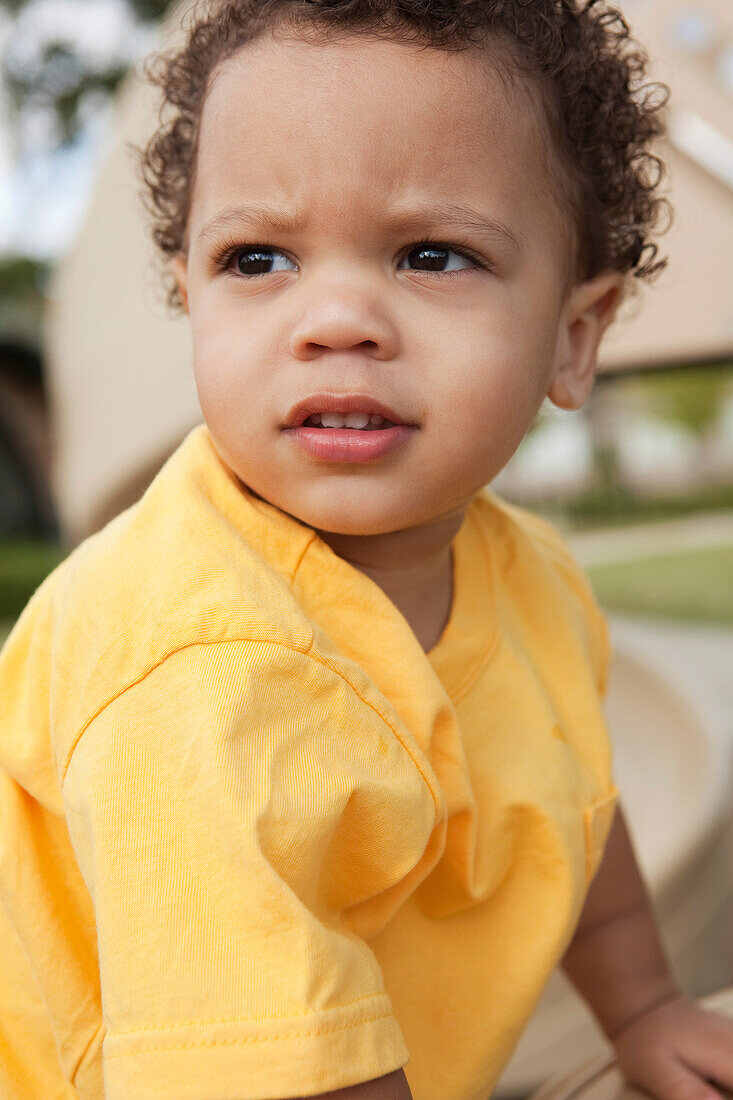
412	567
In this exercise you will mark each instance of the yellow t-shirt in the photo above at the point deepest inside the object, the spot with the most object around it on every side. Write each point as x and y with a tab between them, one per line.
255	843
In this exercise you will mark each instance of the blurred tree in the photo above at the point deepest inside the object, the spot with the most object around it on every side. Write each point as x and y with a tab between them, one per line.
21	276
691	397
60	63
22	282
49	71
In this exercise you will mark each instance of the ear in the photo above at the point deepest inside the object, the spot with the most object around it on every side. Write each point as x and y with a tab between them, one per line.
588	311
179	267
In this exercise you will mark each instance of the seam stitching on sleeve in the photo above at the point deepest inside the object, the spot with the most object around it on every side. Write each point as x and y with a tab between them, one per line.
267	641
146	1028
329	664
245	1038
143	675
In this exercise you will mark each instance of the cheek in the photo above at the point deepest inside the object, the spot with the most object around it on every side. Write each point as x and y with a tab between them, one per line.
485	414
517	387
214	373
505	384
224	357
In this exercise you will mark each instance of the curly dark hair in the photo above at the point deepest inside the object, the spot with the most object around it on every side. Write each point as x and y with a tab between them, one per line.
600	116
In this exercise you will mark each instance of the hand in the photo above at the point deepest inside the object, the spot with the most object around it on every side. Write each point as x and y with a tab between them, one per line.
677	1051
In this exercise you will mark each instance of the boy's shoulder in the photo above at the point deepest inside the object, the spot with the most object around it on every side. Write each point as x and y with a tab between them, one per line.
538	572
516	530
187	562
175	569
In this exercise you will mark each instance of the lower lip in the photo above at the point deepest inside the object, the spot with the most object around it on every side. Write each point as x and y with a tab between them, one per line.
350	444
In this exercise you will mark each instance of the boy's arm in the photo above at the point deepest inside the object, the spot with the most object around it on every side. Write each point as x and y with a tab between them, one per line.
392	1086
663	1043
616	960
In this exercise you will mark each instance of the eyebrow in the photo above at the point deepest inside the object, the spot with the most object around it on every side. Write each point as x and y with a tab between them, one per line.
458	215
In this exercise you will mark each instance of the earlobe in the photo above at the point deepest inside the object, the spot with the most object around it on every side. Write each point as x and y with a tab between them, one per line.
589	310
179	268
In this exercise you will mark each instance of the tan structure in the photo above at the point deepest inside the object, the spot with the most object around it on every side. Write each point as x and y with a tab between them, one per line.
120	369
687	314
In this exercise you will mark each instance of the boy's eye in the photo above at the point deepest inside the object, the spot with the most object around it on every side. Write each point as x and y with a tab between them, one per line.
254	261
435	257
427	256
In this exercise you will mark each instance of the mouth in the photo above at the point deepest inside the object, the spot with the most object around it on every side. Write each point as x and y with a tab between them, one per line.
352	411
365	422
333	429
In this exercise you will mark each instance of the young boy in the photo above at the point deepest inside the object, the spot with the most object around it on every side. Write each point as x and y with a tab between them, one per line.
305	778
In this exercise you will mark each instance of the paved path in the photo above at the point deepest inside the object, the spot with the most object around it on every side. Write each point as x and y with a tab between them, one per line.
626	543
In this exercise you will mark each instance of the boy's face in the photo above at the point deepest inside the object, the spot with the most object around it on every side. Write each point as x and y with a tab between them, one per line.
354	139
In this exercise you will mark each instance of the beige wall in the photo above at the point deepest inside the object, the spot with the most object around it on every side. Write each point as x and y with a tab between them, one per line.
687	314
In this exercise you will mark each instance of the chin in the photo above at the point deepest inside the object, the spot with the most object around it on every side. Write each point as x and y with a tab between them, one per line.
355	529
351	519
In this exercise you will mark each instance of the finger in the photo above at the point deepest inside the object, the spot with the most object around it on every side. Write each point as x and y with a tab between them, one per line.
715	1060
670	1079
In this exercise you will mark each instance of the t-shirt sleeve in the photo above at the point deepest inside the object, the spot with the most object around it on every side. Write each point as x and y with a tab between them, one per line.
30	1066
49	993
232	814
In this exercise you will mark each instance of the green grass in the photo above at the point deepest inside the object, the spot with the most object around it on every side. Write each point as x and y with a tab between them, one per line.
24	563
694	585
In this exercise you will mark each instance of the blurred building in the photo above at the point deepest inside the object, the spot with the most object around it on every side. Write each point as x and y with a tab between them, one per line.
119	368
687	315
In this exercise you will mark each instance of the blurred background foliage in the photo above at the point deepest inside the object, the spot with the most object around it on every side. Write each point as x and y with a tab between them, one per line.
23	280
54	73
680	398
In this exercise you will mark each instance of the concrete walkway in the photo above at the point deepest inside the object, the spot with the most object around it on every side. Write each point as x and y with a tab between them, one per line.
611	544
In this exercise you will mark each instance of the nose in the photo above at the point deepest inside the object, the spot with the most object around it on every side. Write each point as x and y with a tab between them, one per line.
339	319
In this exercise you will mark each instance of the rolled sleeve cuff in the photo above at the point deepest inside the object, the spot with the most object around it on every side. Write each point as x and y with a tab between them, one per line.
252	1059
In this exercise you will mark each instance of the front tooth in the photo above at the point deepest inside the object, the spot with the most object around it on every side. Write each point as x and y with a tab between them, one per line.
332	420
356	420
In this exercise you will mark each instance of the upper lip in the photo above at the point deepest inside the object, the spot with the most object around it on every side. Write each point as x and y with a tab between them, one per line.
342	403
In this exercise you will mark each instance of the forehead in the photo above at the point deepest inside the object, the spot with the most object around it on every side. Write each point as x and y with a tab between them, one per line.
344	128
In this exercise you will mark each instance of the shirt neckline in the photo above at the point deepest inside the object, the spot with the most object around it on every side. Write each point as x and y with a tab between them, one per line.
470	636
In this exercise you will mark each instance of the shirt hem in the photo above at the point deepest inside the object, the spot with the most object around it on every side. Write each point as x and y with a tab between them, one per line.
290	1057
